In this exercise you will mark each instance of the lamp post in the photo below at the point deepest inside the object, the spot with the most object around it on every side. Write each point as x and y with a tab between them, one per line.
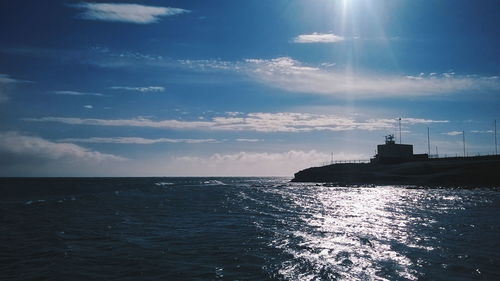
496	148
428	142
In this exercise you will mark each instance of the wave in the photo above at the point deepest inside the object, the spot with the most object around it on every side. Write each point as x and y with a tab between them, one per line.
213	182
162	183
29	202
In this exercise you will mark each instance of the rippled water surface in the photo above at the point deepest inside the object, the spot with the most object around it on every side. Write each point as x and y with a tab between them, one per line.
244	229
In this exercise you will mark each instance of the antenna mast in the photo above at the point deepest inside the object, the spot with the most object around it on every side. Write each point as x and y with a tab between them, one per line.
399	130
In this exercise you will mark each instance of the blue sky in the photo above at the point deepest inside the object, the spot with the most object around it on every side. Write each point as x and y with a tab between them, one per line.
195	88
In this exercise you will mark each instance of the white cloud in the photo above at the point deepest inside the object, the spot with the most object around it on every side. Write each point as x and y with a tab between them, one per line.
452	133
121	12
76	93
241	163
5	82
248	140
25	156
491	78
16	144
254	163
318	38
88	106
140	89
136	122
412	121
321	79
260	122
6	79
482	132
137	140
294	76
291	75
208	65
233	113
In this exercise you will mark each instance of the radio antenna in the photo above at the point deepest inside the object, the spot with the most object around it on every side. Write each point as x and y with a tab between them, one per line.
399	130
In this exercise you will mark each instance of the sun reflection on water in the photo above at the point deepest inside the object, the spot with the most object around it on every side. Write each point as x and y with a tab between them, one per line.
320	232
350	233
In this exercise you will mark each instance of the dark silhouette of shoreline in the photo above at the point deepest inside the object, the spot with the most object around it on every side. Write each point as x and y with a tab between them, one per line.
454	172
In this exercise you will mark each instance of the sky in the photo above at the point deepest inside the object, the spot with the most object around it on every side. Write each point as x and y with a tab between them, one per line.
240	88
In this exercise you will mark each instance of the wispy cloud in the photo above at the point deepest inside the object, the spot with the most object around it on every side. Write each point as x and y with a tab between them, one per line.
482	131
318	38
16	144
76	93
254	163
452	133
121	12
88	106
6	79
259	122
293	76
136	140
149	89
5	83
136	122
248	140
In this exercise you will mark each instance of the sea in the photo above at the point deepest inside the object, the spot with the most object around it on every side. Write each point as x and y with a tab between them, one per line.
244	229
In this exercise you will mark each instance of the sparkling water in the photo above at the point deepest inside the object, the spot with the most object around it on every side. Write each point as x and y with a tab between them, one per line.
244	229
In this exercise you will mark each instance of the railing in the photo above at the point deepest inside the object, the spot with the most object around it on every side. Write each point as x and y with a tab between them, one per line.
461	155
431	156
344	162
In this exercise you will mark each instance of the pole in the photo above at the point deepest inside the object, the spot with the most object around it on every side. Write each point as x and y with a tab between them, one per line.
428	142
496	148
437	153
463	139
399	130
395	131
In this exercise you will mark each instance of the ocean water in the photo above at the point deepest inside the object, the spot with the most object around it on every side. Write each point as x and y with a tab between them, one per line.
244	229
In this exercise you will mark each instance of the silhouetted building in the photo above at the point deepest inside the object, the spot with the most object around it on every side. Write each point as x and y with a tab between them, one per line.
391	152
